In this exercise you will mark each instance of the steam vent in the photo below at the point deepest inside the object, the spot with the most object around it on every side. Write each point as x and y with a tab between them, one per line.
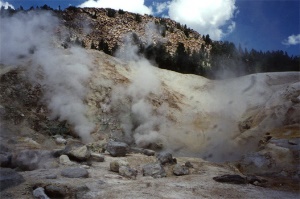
103	103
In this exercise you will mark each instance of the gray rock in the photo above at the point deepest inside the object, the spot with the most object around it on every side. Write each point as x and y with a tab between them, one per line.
154	169
97	157
64	160
117	149
71	150
39	193
29	160
114	166
5	159
180	170
147	152
54	191
166	158
232	179
188	164
75	172
80	153
128	172
9	178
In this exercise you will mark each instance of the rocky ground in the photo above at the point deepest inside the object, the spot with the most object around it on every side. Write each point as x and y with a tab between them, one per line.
235	138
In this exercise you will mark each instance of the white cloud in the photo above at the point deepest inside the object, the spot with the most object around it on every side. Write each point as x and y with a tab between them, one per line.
292	40
6	5
160	7
206	17
136	6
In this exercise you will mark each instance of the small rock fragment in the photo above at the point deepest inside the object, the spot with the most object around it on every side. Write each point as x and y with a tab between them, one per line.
165	157
147	152
75	172
97	157
117	149
233	179
60	140
255	180
114	166
128	172
39	193
64	160
154	169
189	164
180	170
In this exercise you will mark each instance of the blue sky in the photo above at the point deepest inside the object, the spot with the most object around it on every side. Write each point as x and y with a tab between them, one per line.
259	24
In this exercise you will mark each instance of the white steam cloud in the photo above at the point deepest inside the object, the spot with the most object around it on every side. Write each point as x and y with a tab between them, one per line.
29	40
292	40
141	121
5	5
136	6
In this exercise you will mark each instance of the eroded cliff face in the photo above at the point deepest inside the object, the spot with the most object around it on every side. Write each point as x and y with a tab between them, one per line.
93	24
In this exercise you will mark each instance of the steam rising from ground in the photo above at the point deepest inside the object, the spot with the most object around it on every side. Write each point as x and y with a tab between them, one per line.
141	122
28	41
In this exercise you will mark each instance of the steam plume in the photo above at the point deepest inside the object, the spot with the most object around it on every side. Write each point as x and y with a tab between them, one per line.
30	40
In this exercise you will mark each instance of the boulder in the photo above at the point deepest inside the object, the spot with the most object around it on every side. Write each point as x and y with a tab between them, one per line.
80	153
29	160
5	159
271	160
180	170
75	150
39	193
54	191
117	149
165	158
9	178
97	157
75	172
115	165
155	170
65	160
128	172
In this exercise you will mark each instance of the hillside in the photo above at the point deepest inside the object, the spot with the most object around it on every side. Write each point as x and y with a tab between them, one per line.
78	123
91	25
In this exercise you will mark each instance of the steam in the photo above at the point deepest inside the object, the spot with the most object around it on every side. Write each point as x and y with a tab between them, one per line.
29	40
141	121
